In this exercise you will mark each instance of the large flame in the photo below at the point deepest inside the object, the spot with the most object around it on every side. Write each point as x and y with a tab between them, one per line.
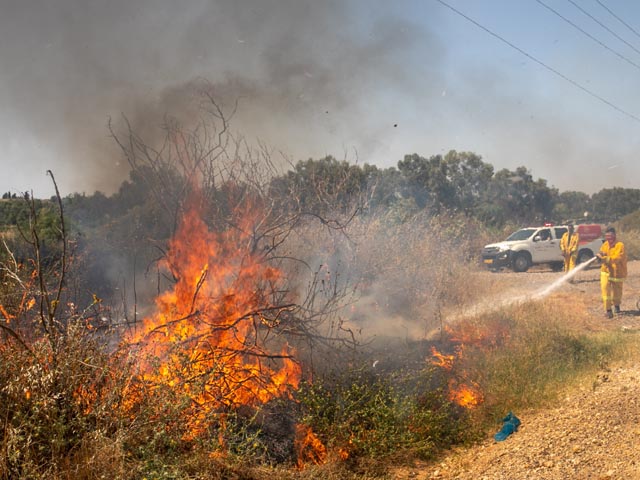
207	337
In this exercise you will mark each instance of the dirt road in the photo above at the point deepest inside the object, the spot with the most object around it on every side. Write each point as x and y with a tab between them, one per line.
594	431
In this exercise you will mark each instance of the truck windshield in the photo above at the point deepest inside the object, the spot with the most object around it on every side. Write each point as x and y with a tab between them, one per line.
521	234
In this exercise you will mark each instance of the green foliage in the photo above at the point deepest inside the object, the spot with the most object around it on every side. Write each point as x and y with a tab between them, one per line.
456	181
610	204
17	213
370	415
572	206
16	223
14	212
516	197
324	185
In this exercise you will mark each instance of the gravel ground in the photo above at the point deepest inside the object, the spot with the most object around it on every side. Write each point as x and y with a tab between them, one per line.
593	432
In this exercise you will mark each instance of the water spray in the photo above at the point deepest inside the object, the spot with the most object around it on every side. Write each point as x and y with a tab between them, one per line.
566	277
484	308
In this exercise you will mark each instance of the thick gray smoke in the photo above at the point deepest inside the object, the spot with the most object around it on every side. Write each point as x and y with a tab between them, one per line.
302	72
365	80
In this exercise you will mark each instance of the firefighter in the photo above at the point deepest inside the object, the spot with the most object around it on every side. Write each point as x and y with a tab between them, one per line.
569	246
612	272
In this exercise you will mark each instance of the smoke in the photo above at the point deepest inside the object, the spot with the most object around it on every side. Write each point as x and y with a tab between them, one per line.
302	74
368	81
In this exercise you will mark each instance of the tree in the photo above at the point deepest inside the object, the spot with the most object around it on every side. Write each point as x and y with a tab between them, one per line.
458	181
328	185
427	182
610	204
571	205
470	178
515	196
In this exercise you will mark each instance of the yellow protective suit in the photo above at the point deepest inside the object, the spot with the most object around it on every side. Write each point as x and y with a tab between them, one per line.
569	244
612	273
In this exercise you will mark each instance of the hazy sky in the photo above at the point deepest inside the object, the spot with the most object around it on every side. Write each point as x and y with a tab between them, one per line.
317	77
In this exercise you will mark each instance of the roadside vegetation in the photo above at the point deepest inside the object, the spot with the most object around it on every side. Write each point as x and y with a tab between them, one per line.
331	284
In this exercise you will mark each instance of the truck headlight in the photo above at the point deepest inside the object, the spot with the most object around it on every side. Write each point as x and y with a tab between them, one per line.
503	252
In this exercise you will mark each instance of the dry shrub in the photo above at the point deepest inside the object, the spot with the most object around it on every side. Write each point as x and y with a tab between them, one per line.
59	400
387	278
97	454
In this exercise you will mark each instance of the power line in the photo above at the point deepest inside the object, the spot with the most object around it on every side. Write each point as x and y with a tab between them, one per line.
603	26
618	54
541	63
618	18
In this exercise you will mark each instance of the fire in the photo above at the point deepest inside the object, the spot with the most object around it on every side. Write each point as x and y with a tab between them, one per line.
207	337
440	360
467	394
308	447
464	395
5	314
343	454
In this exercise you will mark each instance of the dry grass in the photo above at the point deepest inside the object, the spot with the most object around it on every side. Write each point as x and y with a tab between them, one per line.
524	356
631	240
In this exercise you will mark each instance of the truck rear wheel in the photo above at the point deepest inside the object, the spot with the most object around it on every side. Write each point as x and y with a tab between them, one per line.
521	262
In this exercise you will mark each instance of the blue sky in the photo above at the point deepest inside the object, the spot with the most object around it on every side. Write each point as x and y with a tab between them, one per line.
323	77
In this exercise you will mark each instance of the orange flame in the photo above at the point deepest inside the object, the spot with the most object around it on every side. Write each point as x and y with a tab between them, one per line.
6	315
463	394
441	360
308	447
208	333
343	453
466	332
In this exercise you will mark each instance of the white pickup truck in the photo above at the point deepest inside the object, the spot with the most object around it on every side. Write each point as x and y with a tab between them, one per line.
540	245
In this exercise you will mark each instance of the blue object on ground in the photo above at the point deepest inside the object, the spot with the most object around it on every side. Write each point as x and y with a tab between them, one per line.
510	425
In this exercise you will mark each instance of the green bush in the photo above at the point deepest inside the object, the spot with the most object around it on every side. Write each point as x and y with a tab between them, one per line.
362	414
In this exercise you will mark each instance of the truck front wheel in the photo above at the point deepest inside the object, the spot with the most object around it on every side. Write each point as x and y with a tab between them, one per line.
521	262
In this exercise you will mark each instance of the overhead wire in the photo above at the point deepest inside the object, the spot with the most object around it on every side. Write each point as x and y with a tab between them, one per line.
541	63
618	18
603	26
615	52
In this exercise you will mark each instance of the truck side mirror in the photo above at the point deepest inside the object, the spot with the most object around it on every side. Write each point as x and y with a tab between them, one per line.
536	238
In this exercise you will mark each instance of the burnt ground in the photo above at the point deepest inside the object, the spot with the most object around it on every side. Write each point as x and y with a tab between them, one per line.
594	430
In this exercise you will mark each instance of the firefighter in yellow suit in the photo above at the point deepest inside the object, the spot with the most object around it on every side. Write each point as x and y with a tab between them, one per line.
569	246
612	272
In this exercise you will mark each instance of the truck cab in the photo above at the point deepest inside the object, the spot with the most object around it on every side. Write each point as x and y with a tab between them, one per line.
539	245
